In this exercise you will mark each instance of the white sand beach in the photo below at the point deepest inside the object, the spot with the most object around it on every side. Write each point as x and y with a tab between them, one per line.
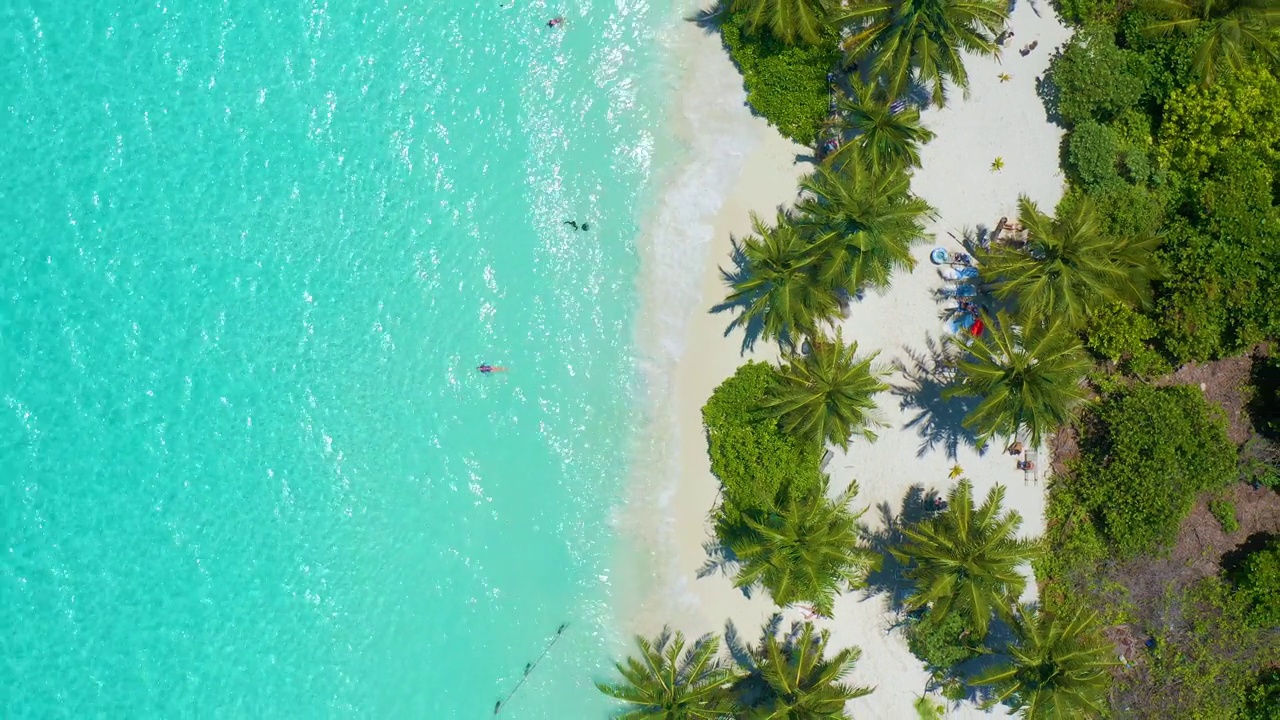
921	441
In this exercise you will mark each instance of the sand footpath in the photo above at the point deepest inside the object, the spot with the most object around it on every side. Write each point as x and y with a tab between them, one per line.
754	169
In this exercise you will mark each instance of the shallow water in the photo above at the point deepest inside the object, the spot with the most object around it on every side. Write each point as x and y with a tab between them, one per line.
253	254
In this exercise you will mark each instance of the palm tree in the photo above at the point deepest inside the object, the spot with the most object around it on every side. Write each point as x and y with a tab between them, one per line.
827	395
1028	378
888	136
966	559
1230	30
1059	667
1069	266
788	678
806	551
921	40
791	21
863	222
663	684
779	285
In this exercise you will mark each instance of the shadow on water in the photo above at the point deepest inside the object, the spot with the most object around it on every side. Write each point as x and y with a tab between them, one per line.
937	419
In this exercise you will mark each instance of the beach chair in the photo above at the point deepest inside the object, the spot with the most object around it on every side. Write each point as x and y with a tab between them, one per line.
1031	467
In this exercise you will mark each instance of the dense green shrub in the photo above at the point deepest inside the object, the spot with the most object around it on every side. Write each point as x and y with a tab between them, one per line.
1095	80
1219	295
1239	112
1262	700
1152	451
1079	12
1123	336
754	460
787	85
1258	581
1166	57
1225	512
1093	155
1207	657
941	645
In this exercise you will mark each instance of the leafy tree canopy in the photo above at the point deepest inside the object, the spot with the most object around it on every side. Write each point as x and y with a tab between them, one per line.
1240	112
756	462
1140	482
1092	79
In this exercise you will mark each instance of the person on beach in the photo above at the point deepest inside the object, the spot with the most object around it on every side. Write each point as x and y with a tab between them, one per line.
486	369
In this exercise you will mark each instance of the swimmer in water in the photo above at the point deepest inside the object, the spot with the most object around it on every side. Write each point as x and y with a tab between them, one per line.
486	369
555	22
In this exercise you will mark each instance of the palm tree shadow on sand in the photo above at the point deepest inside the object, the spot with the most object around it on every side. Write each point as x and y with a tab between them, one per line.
937	419
752	327
891	579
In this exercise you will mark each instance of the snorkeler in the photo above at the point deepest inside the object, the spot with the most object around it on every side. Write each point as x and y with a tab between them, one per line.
555	22
486	369
574	223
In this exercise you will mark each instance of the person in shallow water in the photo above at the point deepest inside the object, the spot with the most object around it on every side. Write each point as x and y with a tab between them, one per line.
574	223
555	22
486	368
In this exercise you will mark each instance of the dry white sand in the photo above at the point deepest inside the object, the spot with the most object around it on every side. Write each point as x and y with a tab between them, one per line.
732	151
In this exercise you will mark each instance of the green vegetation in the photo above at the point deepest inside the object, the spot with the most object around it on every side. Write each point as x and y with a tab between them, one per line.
886	138
1058	667
828	394
941	644
786	84
671	682
1227	31
791	22
805	551
921	40
758	465
1225	512
1140	482
863	223
779	288
1068	266
1258	582
966	559
1028	379
791	678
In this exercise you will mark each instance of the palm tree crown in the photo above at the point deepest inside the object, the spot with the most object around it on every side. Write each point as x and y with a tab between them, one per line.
1069	266
967	559
1058	667
788	678
827	395
1232	30
807	551
779	287
791	21
888	136
921	40
663	684
1027	376
863	222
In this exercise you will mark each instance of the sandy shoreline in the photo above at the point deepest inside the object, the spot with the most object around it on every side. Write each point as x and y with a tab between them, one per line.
737	164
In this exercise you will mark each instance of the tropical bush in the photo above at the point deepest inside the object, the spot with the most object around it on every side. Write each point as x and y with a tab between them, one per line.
758	465
941	644
1238	113
1092	79
1124	336
1262	699
787	85
1093	155
1257	579
1152	450
1225	513
792	22
1226	33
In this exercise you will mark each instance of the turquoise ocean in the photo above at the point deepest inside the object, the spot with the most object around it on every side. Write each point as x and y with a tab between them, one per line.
252	254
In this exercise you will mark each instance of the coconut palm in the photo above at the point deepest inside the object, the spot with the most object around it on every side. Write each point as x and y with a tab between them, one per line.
779	287
1229	30
966	559
827	395
921	41
791	21
662	683
1028	379
788	677
863	222
888	136
808	550
1069	266
1058	667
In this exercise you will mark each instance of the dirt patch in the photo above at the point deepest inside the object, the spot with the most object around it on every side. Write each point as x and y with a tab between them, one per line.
1225	383
1200	548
